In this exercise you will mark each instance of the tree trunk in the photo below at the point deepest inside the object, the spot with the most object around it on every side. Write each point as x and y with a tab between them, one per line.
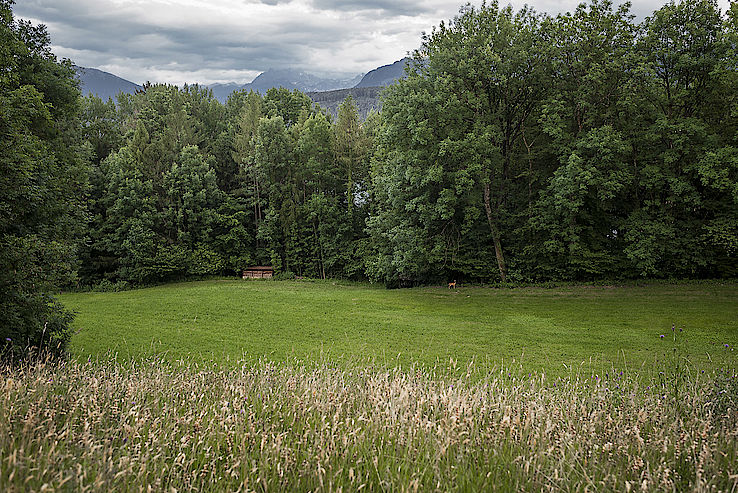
495	234
528	147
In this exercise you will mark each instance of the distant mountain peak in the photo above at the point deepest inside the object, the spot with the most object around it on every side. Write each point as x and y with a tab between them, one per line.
103	84
288	78
385	75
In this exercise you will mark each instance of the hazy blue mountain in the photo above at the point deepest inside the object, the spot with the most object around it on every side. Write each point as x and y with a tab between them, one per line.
222	91
103	84
309	83
385	75
295	79
287	78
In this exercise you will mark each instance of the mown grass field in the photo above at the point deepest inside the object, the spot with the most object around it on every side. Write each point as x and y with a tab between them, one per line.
552	330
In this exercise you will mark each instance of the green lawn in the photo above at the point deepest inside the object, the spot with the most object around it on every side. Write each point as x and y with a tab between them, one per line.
589	328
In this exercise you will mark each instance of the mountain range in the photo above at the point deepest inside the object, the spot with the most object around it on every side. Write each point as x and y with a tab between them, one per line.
287	78
106	85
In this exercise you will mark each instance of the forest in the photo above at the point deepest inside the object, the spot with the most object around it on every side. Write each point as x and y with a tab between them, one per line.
521	148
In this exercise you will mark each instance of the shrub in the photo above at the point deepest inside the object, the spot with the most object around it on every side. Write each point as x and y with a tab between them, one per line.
107	286
204	261
31	319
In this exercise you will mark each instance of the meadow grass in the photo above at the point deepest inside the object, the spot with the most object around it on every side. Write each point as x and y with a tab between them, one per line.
321	386
557	331
156	425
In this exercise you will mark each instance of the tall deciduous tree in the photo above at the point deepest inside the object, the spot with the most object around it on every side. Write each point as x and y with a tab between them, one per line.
455	127
244	143
684	49
42	178
587	118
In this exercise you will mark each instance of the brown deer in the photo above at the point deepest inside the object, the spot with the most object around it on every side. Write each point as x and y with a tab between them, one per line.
452	284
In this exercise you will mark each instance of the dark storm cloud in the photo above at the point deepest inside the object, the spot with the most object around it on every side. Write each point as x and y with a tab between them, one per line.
386	7
225	40
102	37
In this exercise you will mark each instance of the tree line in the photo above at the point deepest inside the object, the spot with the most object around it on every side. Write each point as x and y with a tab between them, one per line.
182	185
521	147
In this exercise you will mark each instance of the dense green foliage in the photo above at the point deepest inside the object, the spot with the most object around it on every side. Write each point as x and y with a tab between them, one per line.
42	179
576	147
195	187
521	147
550	330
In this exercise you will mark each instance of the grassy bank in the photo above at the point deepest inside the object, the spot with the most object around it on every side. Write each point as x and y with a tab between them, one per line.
290	427
556	330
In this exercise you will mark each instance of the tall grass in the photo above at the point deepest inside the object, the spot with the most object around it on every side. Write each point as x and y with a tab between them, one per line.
157	426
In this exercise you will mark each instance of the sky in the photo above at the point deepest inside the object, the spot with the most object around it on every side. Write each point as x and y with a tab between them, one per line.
211	41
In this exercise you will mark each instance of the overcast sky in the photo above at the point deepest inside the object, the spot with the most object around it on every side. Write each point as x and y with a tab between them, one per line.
207	41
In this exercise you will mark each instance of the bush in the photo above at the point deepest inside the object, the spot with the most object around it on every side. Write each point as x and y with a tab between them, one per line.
107	286
31	319
204	261
284	276
33	324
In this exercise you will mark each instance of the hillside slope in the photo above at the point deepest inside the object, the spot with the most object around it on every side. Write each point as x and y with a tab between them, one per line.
385	75
103	84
